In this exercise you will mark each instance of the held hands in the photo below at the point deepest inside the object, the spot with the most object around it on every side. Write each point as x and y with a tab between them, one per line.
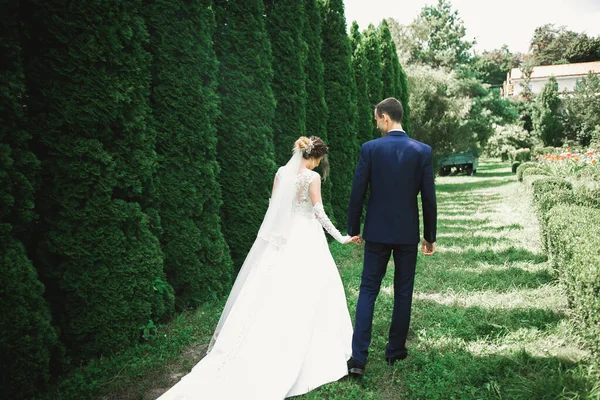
354	239
427	248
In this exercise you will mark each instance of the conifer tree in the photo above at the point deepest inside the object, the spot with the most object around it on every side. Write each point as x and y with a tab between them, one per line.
285	23
27	338
339	95
244	124
373	62
359	64
316	108
184	107
395	83
88	79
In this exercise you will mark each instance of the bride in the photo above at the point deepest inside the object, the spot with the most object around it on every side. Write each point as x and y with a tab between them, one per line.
285	329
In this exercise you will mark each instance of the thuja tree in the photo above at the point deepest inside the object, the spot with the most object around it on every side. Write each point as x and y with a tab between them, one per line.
184	107
244	125
373	67
285	22
316	108
363	106
339	95
88	79
27	338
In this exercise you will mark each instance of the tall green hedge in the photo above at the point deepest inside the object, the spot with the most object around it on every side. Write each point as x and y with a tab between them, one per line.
339	95
548	193
404	97
27	337
574	247
317	112
185	106
244	125
359	64
285	21
521	168
374	78
88	78
389	63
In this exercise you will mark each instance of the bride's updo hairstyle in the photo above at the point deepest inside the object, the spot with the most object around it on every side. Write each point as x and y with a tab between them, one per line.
314	147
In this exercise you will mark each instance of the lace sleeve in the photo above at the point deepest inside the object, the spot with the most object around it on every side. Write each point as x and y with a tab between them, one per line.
326	223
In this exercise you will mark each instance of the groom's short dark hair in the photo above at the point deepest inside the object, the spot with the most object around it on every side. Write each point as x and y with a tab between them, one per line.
391	107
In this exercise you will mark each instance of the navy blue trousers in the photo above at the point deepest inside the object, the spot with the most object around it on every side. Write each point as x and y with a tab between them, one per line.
377	256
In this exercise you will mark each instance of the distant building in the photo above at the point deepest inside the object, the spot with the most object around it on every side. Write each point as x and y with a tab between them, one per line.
565	74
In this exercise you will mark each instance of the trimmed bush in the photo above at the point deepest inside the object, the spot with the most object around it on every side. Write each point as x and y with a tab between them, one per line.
531	175
521	168
547	193
546	150
533	171
529	180
550	184
588	195
514	167
521	155
574	247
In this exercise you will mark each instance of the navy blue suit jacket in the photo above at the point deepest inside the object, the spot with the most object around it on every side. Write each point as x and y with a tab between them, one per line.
396	168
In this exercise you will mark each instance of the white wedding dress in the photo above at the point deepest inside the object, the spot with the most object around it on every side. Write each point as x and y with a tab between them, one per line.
286	328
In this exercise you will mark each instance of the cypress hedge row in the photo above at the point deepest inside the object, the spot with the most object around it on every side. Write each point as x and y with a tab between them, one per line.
569	218
139	145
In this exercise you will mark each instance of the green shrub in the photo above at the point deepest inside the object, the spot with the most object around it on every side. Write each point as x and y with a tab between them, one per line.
529	180
549	184
515	165
521	168
532	174
588	195
574	249
534	171
547	193
521	155
547	150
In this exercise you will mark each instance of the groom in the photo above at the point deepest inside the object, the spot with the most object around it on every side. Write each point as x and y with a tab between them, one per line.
396	168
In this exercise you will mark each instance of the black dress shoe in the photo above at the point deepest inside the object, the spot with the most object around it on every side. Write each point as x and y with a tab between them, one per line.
392	360
355	369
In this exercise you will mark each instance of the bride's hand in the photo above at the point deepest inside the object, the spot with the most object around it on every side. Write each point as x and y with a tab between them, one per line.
354	239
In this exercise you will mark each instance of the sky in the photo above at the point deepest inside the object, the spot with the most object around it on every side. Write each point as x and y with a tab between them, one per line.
491	22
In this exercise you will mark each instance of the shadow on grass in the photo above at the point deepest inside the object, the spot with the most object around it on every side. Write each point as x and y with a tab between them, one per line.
476	323
485	174
484	228
496	280
468	223
469	186
497	257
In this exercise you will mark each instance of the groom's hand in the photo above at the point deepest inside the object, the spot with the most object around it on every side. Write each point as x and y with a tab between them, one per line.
427	248
357	239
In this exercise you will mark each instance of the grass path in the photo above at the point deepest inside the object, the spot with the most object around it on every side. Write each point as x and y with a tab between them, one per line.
489	320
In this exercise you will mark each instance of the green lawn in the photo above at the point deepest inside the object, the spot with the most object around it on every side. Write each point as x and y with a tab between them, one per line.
489	320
